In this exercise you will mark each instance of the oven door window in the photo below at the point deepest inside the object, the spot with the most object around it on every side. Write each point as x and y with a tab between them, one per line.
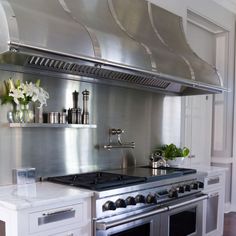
142	230
183	223
143	227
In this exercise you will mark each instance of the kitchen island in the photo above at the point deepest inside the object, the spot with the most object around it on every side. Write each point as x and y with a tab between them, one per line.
45	209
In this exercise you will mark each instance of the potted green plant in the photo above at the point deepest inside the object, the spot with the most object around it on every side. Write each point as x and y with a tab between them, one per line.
173	155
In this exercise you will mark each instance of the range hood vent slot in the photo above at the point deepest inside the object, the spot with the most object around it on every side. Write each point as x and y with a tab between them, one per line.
91	71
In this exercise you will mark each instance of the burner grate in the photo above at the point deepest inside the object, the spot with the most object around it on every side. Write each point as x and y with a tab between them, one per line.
97	180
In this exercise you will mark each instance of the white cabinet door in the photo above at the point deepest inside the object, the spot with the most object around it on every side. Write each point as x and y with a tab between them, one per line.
198	123
214	213
209	41
215	188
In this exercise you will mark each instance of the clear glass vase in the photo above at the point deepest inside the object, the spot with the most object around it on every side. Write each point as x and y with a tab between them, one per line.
23	114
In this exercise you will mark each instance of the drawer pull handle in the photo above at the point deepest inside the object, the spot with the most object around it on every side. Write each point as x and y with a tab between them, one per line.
213	195
213	181
51	217
57	212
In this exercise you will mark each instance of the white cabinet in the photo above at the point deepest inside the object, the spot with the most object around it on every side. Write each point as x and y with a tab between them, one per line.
214	208
45	209
65	218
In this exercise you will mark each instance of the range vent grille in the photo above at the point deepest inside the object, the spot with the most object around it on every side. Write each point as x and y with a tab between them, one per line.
93	71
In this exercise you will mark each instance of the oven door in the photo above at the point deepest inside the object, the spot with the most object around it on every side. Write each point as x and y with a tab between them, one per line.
184	218
143	224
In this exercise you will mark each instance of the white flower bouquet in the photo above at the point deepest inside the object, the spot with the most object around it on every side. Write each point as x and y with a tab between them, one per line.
20	94
23	93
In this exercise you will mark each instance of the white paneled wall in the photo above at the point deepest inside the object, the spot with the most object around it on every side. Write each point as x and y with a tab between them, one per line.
208	121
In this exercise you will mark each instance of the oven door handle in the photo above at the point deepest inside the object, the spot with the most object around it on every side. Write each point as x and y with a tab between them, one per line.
108	225
184	203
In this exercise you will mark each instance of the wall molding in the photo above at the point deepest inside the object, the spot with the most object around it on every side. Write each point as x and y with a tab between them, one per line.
222	160
229	208
228	4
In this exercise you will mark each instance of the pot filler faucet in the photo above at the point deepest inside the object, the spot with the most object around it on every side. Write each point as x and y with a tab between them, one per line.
117	143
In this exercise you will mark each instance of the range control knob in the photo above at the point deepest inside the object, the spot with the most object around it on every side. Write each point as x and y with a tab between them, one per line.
187	188
181	189
173	193
109	206
200	184
151	199
130	201
195	186
120	203
140	199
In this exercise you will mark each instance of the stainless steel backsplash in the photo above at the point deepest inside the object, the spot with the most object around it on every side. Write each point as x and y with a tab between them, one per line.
149	119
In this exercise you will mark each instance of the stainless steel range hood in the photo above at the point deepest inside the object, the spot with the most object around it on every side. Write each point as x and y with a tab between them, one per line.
123	42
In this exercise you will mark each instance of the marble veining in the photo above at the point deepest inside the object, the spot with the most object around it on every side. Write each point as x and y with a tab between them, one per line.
209	169
18	197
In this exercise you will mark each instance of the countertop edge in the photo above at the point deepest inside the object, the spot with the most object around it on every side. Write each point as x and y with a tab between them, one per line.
22	197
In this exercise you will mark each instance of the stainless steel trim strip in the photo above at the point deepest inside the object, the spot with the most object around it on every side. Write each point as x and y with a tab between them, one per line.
184	203
196	55
96	45
190	67
64	6
13	25
154	27
220	77
93	37
105	226
165	44
147	49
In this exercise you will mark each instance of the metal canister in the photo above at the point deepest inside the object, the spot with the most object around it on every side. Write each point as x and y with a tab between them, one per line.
56	117
62	117
53	117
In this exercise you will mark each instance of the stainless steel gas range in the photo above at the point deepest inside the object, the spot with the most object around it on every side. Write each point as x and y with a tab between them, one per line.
143	201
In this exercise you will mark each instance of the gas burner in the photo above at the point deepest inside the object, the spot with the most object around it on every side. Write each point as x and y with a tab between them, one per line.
97	180
124	191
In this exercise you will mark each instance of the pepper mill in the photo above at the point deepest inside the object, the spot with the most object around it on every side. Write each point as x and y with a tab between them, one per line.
75	95
85	114
74	110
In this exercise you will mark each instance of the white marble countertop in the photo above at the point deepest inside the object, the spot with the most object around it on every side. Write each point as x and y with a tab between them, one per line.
208	169
18	197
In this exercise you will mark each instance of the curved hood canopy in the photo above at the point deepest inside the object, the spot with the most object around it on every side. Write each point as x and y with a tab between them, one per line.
122	42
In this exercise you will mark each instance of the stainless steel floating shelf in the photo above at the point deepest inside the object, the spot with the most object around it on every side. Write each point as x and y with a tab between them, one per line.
47	125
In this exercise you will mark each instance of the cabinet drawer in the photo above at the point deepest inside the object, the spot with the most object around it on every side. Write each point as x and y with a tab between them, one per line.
74	232
56	217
